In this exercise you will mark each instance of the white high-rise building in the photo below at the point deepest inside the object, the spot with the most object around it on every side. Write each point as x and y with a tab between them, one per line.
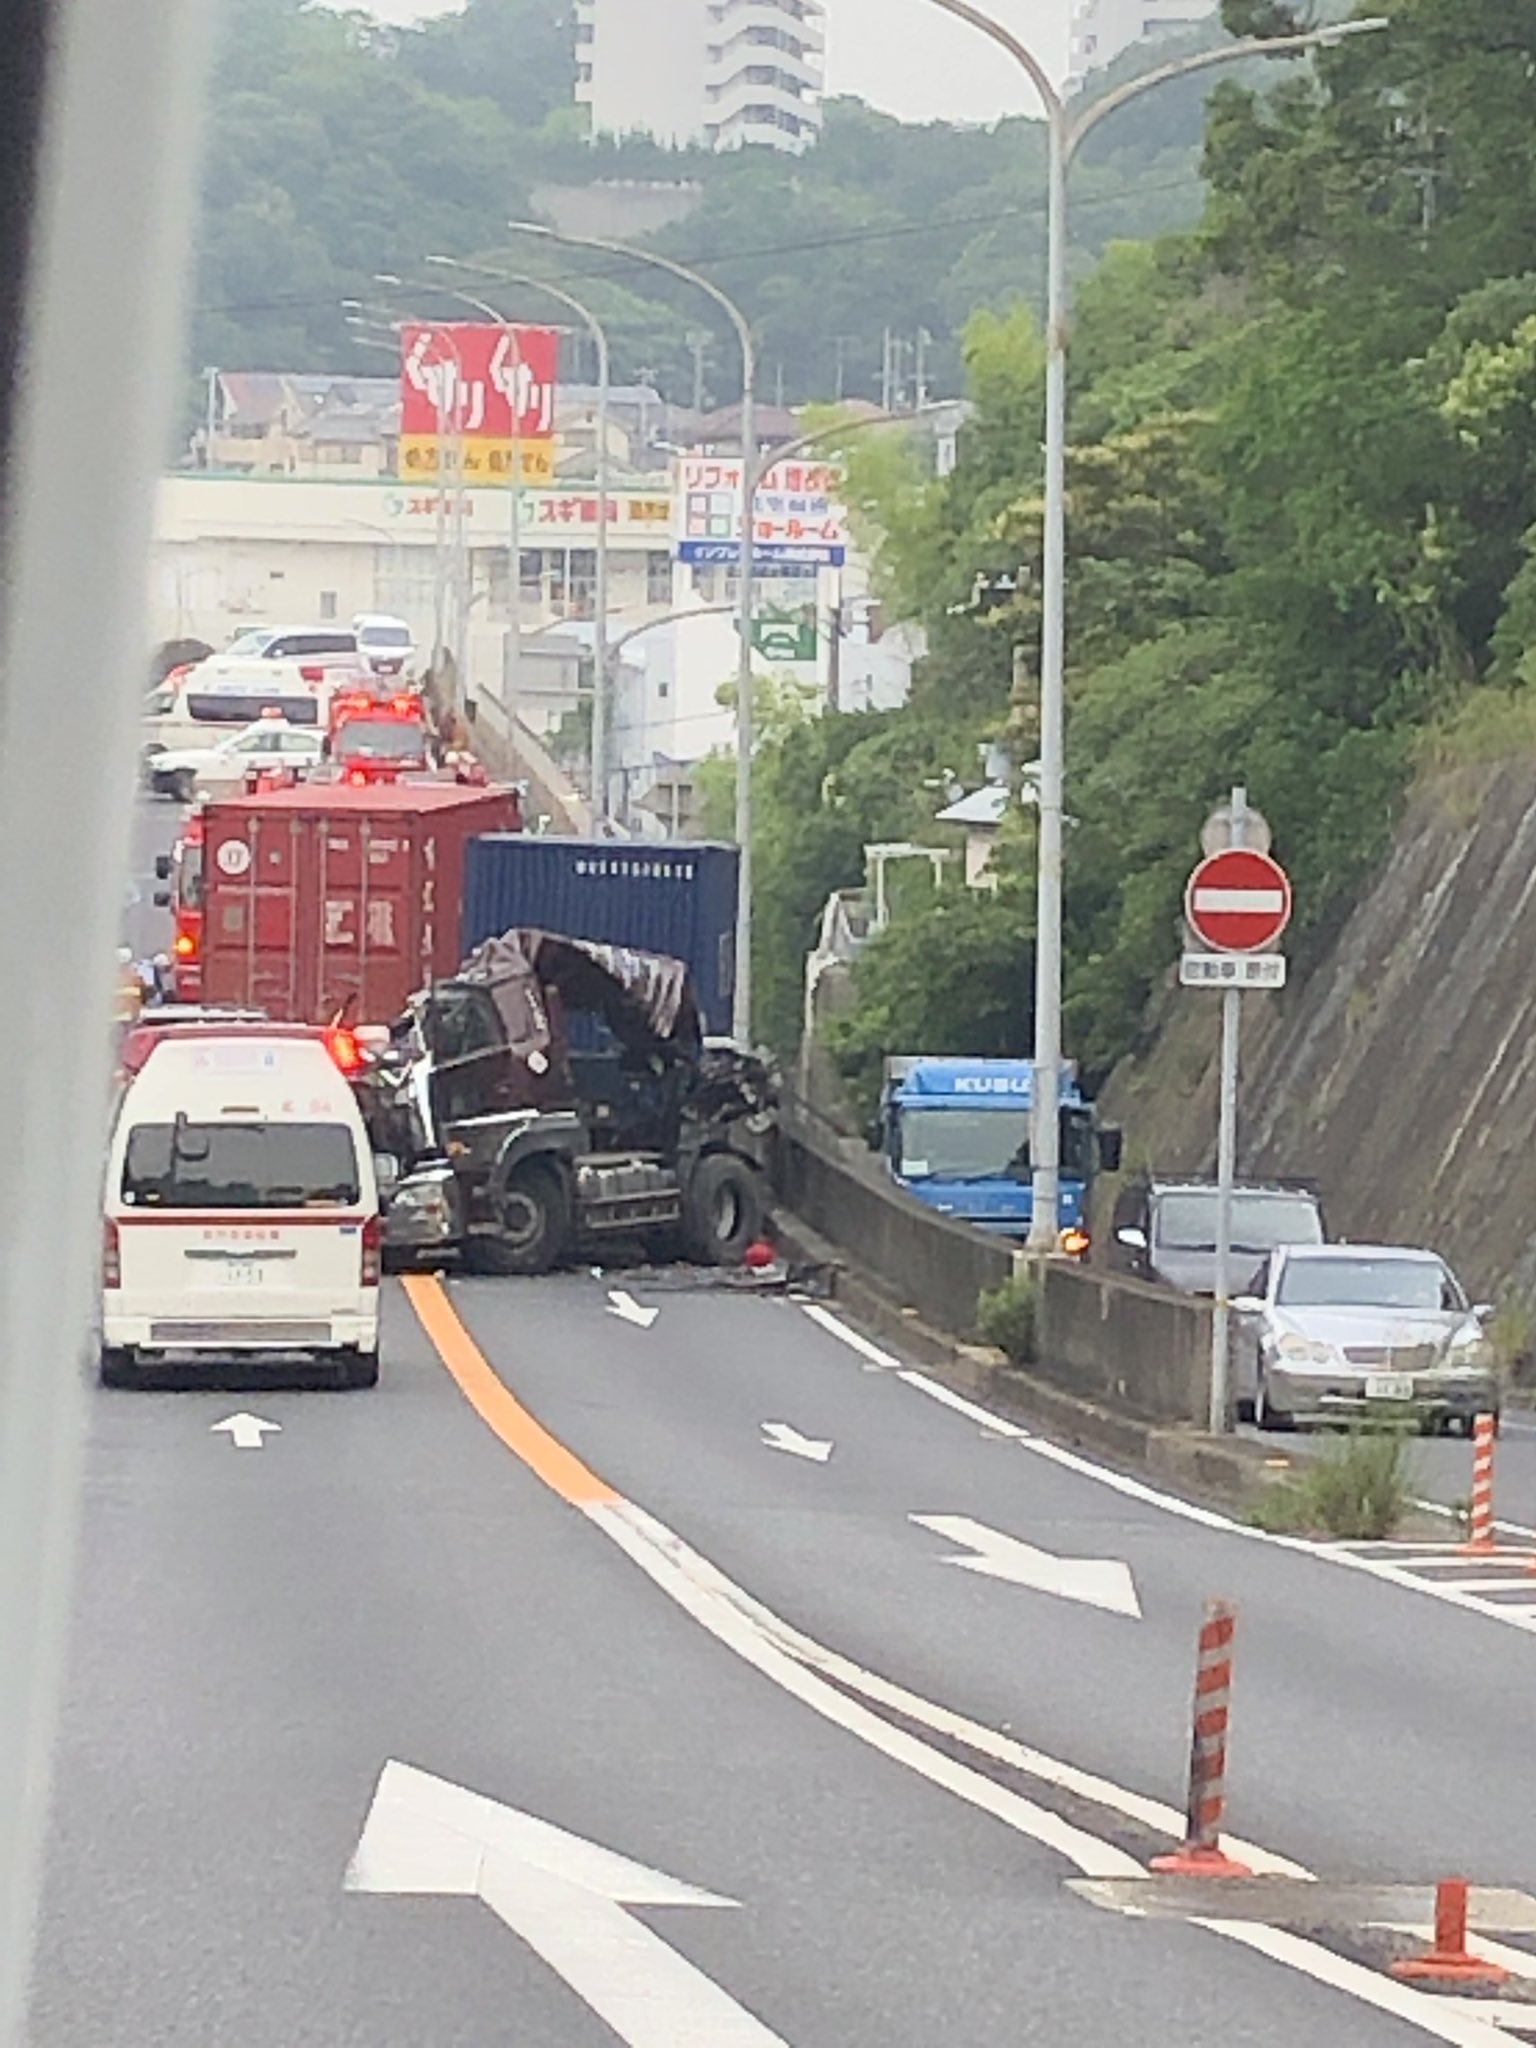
718	72
1102	29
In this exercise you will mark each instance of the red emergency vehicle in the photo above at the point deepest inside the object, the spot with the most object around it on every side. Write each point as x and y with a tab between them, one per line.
182	867
379	739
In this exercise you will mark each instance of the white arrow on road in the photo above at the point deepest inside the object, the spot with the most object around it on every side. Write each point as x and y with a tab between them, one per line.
629	1310
564	1896
1097	1582
245	1432
778	1436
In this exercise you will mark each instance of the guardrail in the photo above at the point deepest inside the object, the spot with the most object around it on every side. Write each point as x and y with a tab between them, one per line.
1100	1336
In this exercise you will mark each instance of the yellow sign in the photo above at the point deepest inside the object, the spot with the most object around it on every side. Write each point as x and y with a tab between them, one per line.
485	461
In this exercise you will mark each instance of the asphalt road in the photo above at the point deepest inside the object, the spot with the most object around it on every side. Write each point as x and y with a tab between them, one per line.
397	1576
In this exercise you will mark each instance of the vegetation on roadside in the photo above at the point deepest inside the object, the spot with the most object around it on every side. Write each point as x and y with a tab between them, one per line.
1303	537
1358	1488
1008	1316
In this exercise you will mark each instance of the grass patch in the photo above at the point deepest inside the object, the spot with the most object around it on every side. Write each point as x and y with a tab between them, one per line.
1488	728
1009	1317
1358	1489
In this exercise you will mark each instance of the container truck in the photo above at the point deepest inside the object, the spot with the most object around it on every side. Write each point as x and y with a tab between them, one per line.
955	1133
328	900
673	899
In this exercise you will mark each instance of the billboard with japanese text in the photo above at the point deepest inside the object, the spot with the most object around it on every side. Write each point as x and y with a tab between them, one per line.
484	385
798	520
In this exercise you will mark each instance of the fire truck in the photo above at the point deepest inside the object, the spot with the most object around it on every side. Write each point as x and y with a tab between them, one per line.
182	870
376	738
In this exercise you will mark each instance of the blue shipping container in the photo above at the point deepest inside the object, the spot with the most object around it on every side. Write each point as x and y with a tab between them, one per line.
677	898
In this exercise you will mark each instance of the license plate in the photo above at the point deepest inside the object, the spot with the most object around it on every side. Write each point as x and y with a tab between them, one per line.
1389	1386
238	1275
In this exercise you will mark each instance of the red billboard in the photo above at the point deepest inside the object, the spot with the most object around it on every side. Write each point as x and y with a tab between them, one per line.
474	379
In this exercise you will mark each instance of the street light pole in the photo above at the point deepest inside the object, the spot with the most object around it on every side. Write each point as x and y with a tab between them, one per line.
1065	134
601	664
741	1006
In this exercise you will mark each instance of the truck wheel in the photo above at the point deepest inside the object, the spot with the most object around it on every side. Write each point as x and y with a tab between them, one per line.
724	1210
534	1217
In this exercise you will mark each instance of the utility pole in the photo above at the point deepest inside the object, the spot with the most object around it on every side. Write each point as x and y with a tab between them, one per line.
698	348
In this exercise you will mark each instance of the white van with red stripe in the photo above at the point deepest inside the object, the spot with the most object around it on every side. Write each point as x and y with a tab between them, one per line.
242	1210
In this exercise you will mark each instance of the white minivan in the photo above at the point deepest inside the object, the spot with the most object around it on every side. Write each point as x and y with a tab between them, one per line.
242	1211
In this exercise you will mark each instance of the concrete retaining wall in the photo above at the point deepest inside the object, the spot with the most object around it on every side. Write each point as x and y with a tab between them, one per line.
1137	1347
1101	1337
921	1260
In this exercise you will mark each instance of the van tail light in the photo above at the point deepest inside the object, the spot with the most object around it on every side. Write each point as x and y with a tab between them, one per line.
344	1049
111	1254
373	1250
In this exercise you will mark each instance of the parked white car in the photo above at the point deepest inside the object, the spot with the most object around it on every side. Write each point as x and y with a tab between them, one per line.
1328	1333
192	774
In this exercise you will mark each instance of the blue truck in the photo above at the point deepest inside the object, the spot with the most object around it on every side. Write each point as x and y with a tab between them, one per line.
955	1133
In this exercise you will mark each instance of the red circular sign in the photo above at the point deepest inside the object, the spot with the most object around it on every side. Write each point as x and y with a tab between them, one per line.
1238	901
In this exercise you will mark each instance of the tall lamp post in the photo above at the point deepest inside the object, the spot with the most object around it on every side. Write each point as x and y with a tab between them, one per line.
602	599
741	1006
1067	130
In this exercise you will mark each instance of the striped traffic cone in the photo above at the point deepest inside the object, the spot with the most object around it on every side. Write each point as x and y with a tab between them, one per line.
1481	1538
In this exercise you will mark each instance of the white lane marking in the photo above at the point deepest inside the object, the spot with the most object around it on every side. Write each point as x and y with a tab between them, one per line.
1438	1507
1188	1511
779	1436
854	1339
994	1425
1369	1986
1094	1581
731	1616
564	1896
245	1431
624	1305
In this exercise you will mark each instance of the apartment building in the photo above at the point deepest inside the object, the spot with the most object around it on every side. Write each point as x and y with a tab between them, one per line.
721	73
1103	29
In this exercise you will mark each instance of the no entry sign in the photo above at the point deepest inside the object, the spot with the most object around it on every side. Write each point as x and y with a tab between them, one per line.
1238	901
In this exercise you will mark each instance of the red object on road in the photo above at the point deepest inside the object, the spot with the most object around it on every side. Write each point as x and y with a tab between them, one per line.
1201	1854
1450	1959
1238	901
758	1256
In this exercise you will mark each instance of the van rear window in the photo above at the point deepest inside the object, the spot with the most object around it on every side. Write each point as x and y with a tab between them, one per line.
240	1166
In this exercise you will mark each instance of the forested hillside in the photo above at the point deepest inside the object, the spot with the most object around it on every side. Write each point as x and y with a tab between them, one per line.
1303	487
339	148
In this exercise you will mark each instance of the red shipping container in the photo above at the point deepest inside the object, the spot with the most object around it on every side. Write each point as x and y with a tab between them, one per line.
326	899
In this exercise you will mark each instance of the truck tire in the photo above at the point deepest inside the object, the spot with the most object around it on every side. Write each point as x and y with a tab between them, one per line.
723	1211
534	1214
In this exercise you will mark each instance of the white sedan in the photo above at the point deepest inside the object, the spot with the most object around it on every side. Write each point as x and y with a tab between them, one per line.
190	774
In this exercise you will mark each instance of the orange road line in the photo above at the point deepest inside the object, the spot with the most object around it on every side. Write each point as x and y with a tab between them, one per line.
501	1411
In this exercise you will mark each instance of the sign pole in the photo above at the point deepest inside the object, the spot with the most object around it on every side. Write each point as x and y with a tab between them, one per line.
1226	1169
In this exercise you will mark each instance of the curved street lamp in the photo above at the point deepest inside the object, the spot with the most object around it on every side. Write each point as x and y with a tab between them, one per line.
741	1005
1067	129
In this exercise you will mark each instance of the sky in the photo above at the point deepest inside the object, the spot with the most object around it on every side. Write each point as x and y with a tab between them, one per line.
905	56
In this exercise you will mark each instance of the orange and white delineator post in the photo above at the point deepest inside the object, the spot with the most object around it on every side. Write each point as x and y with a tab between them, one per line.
1450	1959
1201	1854
1481	1536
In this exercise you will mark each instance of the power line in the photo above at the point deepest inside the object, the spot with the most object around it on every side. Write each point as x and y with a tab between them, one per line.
614	271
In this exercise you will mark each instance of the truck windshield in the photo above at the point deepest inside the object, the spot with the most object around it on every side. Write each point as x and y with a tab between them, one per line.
964	1144
1186	1222
240	1166
381	739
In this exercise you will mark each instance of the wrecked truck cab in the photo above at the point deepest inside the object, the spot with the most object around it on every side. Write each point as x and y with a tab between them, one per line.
557	1094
